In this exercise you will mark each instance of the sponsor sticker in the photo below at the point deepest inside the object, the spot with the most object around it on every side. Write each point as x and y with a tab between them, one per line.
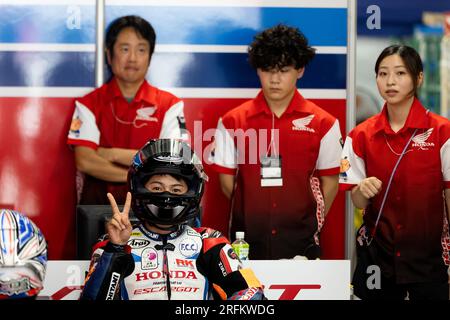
149	259
115	277
232	254
138	243
189	248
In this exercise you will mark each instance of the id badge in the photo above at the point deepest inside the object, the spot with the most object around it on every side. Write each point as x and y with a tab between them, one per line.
271	172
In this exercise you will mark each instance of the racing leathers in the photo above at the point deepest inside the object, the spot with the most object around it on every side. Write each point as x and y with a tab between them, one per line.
185	264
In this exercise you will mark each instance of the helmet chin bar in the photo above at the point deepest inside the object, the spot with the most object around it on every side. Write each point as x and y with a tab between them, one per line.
168	213
171	228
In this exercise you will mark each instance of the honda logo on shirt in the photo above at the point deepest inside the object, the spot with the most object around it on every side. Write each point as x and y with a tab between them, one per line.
302	123
420	140
145	114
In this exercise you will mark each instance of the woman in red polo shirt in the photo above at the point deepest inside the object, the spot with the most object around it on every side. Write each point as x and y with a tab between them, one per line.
397	165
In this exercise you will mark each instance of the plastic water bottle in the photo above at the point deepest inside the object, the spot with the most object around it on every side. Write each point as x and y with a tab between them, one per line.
240	246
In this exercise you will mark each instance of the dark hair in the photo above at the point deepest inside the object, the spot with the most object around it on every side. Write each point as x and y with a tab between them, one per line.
142	27
411	59
278	47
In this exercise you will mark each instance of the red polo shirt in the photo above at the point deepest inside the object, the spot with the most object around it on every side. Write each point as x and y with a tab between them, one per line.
279	221
103	118
410	233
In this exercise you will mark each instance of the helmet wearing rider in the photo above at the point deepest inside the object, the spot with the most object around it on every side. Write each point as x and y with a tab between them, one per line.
153	202
23	256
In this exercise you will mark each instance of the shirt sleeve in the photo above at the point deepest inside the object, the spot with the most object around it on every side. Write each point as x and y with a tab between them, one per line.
353	168
224	153
83	129
330	151
174	124
445	161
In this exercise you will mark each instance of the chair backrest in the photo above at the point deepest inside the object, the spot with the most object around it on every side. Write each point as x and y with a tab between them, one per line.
90	227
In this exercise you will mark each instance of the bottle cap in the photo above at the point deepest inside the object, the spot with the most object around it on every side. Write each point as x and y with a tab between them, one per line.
240	234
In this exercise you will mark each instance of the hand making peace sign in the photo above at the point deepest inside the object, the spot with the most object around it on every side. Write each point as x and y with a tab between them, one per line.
119	227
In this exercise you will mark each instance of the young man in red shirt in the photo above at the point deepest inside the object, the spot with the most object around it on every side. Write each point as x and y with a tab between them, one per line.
111	123
281	189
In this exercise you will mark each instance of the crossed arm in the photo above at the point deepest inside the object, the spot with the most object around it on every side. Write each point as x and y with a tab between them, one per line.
109	164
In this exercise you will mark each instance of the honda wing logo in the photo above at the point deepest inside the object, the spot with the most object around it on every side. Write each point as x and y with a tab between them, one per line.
420	140
145	114
302	123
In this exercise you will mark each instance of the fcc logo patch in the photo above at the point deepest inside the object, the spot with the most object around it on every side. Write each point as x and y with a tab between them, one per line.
189	248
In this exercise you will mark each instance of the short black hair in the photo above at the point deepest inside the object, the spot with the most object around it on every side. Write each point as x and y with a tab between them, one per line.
278	47
410	58
140	25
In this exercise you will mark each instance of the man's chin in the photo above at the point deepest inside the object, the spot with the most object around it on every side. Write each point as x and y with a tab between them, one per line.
132	79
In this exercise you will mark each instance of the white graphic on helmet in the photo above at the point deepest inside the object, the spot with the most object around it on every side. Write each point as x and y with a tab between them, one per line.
23	255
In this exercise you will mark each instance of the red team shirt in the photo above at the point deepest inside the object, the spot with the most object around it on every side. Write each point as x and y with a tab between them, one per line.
280	221
103	118
412	232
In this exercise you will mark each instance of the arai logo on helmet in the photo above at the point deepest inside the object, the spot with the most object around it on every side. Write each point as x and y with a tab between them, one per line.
174	159
138	243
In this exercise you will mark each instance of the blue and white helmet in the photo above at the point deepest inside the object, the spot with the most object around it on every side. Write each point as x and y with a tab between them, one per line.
23	256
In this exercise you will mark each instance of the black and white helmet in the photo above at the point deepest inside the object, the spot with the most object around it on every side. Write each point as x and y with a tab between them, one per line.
166	156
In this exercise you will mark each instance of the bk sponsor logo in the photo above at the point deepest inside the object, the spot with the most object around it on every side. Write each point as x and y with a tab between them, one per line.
185	263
